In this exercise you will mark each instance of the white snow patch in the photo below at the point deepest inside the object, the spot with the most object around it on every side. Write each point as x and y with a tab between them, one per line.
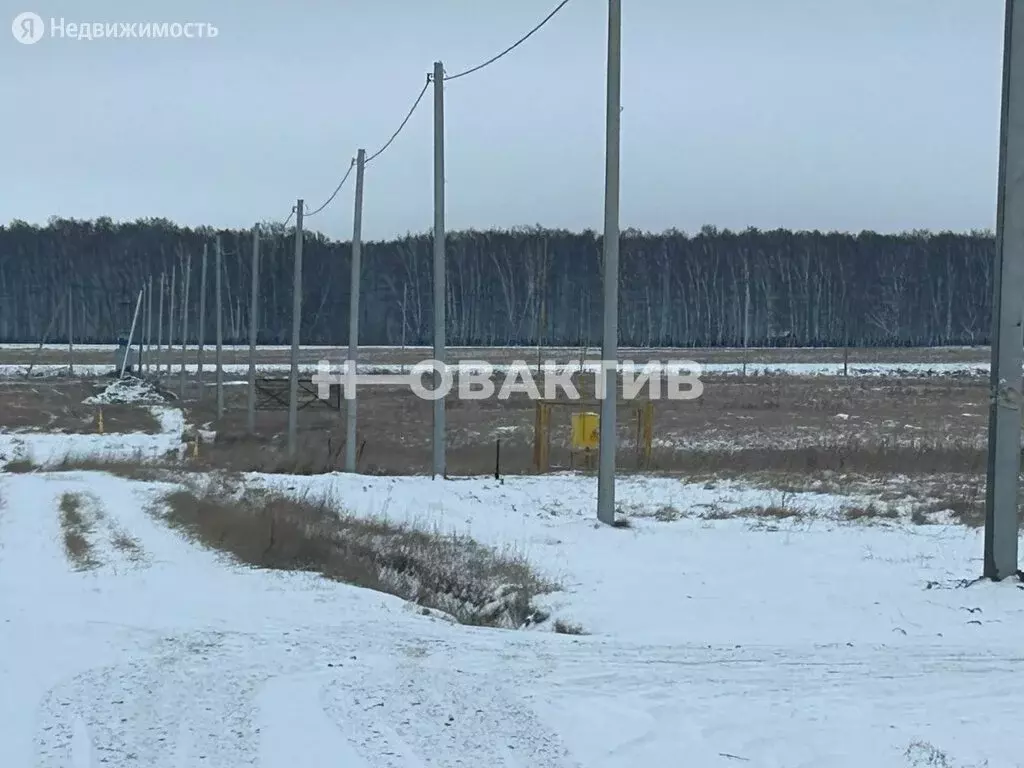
815	643
895	369
128	390
48	449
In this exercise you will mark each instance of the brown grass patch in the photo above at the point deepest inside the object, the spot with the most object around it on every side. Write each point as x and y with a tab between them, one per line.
567	628
667	514
76	529
56	405
136	468
316	453
849	456
870	512
127	545
20	466
715	512
773	511
454	574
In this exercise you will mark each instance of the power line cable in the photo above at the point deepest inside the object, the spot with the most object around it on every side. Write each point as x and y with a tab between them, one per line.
419	98
400	127
511	48
337	189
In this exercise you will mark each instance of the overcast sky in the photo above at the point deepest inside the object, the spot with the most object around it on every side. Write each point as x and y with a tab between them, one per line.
828	114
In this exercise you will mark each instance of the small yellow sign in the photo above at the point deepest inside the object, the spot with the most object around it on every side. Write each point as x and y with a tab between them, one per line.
586	431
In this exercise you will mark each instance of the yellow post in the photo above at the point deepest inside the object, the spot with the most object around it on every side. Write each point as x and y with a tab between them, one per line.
99	420
195	446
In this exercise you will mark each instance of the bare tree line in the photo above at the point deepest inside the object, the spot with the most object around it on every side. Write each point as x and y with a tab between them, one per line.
521	286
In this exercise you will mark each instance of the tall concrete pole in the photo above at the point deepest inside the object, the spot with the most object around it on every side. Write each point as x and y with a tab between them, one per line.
253	325
184	324
71	332
439	268
1004	431
170	319
218	284
353	311
293	381
149	324
610	345
746	312
201	334
160	326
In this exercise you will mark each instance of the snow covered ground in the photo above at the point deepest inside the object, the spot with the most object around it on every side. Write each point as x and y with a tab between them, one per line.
468	366
714	642
47	449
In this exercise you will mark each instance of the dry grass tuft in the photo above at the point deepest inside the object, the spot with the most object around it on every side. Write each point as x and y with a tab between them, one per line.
128	545
667	514
316	454
76	529
773	511
454	574
870	512
883	457
565	628
136	468
715	512
921	754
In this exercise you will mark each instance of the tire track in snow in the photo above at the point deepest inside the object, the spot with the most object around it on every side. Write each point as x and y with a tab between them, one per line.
182	703
412	714
291	713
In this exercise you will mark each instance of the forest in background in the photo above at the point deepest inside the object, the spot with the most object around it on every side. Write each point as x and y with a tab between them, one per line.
512	287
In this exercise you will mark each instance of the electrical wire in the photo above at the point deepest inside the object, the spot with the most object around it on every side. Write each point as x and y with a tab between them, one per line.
400	127
511	48
337	189
419	98
285	225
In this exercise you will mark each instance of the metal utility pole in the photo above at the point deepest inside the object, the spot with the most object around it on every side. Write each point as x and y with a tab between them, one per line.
1004	430
184	323
610	345
220	330
160	327
170	321
439	267
253	307
353	311
201	342
293	380
71	332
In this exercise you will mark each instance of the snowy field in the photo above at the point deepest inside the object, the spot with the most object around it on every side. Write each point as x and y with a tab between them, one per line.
720	369
96	359
715	637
